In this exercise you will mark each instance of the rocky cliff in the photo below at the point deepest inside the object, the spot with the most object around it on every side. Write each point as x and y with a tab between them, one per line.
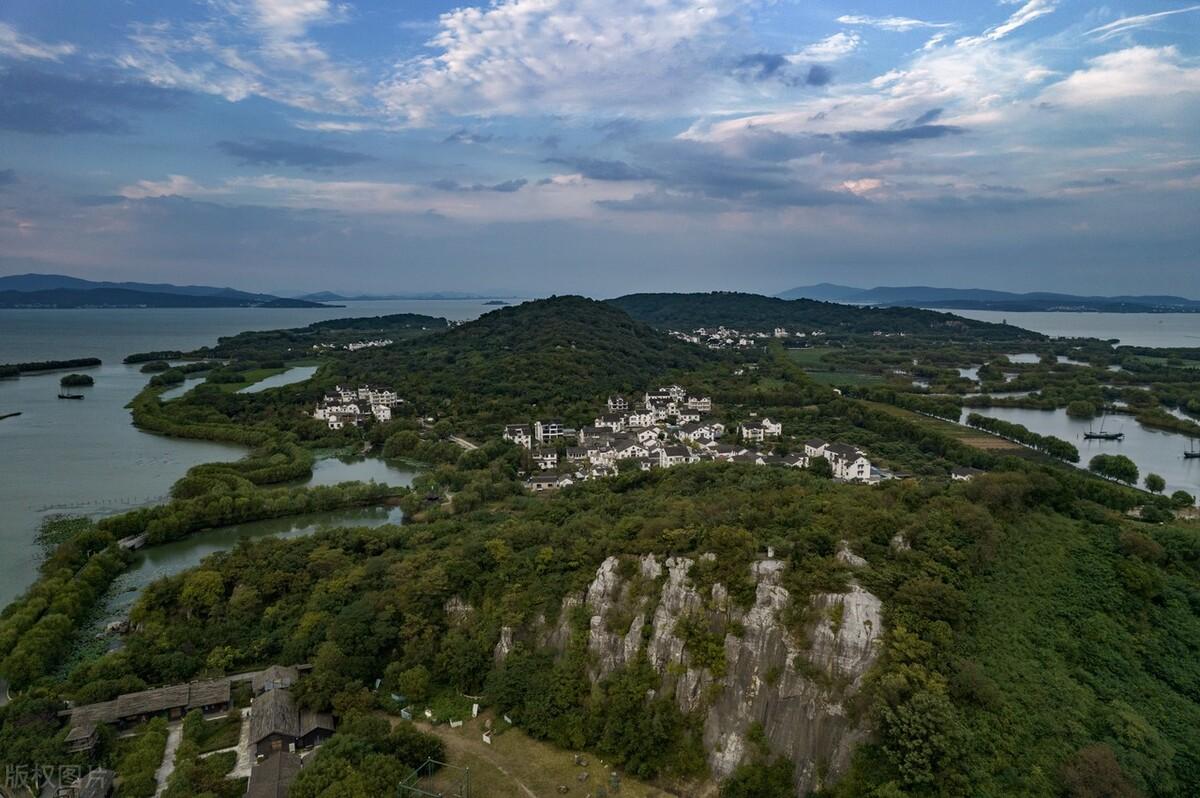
797	683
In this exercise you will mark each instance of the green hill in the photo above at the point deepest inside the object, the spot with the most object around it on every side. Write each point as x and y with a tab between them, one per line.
552	356
752	312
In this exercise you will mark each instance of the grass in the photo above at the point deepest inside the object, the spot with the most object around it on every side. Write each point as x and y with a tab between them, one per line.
220	733
250	377
810	357
845	378
516	766
967	435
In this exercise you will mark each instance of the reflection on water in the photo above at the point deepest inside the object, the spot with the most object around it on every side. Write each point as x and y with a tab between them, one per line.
292	375
155	562
1154	451
333	470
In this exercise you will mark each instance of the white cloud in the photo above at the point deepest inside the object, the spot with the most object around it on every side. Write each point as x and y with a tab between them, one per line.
900	24
1136	73
535	57
173	186
1031	10
247	48
1125	24
14	44
831	48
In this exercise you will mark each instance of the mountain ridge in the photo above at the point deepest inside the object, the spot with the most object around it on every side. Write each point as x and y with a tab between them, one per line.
988	299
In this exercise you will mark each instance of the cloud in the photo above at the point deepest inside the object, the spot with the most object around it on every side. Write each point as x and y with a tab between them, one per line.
831	48
900	135
929	116
506	187
759	67
173	186
1126	24
275	152
1133	74
464	136
7	177
32	101
14	44
249	48
1031	10
645	57
900	24
600	169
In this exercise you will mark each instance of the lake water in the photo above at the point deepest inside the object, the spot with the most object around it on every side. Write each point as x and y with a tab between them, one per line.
168	559
1154	451
289	377
1133	329
85	457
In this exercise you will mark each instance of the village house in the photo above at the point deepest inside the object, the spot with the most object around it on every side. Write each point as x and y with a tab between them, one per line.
815	447
544	482
617	404
964	474
275	677
273	777
646	436
687	415
278	724
610	421
547	431
757	431
700	432
546	460
701	403
130	709
676	455
848	462
520	434
576	453
640	418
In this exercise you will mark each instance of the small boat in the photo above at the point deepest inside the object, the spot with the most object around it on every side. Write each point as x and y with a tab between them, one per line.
70	396
1192	453
1101	435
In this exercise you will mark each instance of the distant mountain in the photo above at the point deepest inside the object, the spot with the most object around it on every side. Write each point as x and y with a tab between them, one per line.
60	291
329	296
985	299
52	282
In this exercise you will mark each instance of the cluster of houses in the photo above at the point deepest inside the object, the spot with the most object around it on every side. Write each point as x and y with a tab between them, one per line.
278	728
352	406
354	346
728	338
664	428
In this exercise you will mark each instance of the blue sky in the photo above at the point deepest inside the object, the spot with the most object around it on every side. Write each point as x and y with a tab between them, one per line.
603	146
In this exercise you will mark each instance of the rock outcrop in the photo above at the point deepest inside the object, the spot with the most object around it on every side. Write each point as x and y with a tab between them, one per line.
797	683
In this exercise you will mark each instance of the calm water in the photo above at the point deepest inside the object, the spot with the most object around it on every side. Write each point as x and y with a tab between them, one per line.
85	457
112	334
289	377
1133	329
1154	451
156	562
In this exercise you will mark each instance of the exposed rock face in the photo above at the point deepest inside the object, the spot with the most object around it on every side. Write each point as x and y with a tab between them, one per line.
797	689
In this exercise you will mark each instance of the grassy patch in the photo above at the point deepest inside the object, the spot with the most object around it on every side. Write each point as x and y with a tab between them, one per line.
516	766
845	378
250	378
809	358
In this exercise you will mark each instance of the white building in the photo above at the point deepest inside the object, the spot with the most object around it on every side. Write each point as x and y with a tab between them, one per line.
519	434
760	430
849	463
547	431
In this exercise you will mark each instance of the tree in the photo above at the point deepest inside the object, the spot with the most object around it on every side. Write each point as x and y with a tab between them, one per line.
1095	773
1115	466
1155	483
1081	409
1181	499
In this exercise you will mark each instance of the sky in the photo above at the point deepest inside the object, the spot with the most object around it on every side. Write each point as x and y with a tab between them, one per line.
603	147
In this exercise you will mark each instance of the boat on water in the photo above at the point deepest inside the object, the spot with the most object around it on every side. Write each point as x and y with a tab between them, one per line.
1193	453
1101	435
70	396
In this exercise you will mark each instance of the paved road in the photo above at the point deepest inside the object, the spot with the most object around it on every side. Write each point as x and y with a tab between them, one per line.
167	766
463	442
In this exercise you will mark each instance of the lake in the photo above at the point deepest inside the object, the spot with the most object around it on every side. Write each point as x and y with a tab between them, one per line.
155	562
85	457
1133	329
1154	451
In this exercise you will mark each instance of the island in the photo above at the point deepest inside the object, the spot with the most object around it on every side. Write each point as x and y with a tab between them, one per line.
76	381
642	528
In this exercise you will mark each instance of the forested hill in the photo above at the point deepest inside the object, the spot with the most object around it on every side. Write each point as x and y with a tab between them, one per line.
549	354
753	312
